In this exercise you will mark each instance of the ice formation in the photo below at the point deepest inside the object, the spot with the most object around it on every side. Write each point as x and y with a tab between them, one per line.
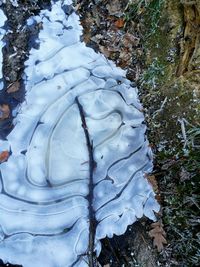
2	33
13	2
79	152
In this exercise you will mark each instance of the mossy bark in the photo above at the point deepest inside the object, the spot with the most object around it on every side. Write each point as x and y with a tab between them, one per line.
171	82
175	47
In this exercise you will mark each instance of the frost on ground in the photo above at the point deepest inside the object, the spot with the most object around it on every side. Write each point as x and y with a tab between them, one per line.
78	152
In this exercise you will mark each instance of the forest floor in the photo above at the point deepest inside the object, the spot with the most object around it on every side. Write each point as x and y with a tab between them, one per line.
158	43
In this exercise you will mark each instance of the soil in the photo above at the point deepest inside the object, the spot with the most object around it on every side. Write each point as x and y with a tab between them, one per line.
18	43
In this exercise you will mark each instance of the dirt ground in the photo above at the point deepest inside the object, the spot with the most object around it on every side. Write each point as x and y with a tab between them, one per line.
158	43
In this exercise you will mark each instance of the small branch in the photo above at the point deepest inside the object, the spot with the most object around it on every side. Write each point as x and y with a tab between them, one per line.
90	197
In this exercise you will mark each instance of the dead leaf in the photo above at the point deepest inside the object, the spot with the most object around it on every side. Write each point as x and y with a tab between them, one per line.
184	175
4	111
105	51
119	23
4	155
114	8
158	234
14	87
159	198
125	56
129	40
152	180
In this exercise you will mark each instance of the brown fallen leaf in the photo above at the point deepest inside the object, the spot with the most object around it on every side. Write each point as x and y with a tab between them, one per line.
119	23
158	234
152	180
14	87
105	51
4	155
114	8
129	40
4	111
159	198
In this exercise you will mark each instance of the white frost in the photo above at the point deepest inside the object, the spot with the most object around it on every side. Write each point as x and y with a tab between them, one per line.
44	216
2	33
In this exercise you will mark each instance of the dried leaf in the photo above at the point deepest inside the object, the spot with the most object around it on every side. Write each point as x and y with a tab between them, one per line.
119	23
4	155
153	182
105	51
158	234
114	8
184	175
160	200
129	40
14	87
4	111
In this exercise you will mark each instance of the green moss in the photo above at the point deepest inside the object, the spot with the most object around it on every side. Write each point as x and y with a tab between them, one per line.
154	75
162	23
152	15
159	82
160	51
132	10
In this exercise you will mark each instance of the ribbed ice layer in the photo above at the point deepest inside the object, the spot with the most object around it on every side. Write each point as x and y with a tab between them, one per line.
71	93
2	33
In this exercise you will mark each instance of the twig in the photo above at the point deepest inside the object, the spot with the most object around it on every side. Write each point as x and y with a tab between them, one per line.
90	197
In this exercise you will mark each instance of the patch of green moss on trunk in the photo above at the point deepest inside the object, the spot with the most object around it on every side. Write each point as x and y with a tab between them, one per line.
168	97
172	106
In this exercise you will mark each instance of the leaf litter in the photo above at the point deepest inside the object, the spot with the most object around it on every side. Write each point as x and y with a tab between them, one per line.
106	30
159	235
